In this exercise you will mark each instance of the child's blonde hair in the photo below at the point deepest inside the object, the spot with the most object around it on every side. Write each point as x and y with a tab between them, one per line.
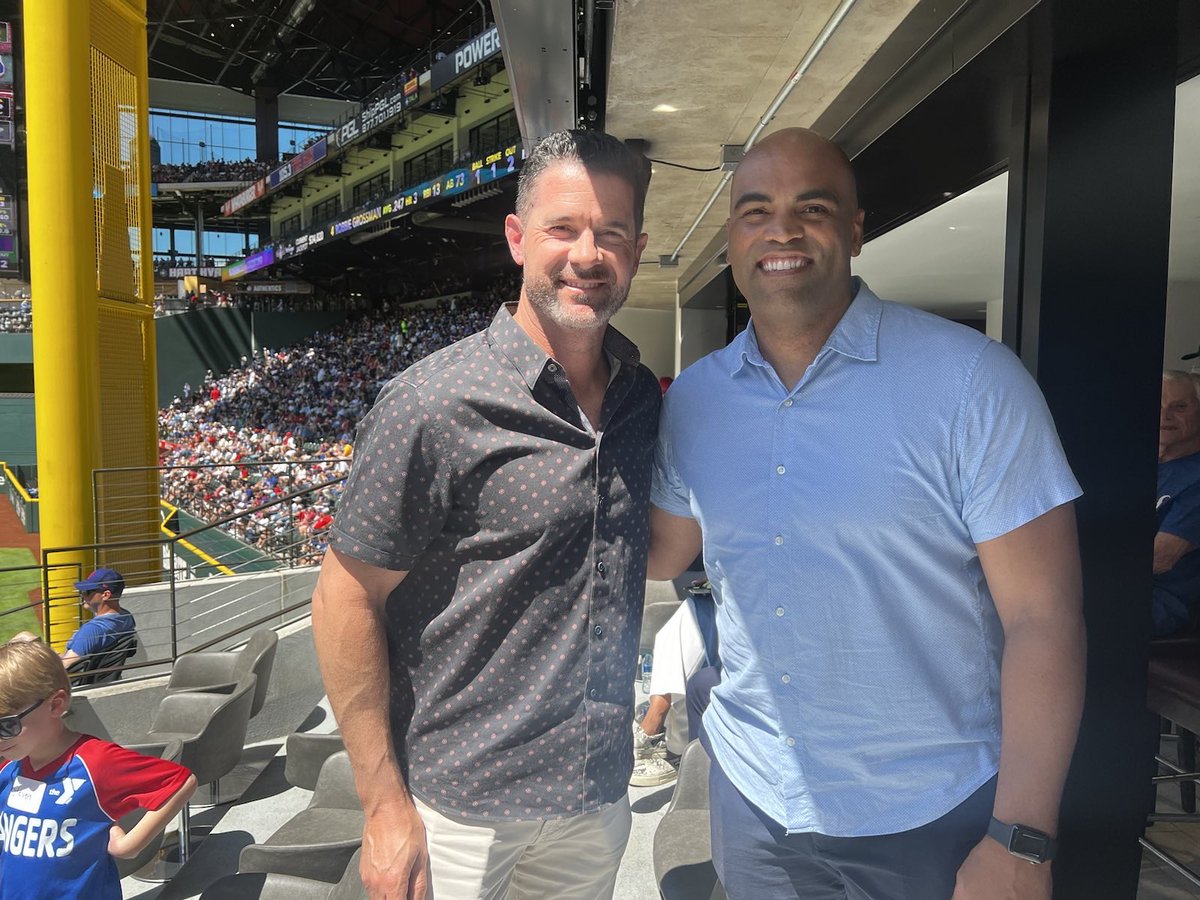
29	671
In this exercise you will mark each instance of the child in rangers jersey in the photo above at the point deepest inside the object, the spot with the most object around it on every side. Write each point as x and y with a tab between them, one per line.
61	793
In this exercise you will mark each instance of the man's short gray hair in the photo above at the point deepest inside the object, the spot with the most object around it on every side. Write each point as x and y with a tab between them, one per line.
597	152
1192	378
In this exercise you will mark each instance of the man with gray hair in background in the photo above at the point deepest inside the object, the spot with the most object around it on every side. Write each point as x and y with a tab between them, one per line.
1177	543
477	615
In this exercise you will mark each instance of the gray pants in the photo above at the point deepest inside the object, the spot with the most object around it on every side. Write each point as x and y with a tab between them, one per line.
757	860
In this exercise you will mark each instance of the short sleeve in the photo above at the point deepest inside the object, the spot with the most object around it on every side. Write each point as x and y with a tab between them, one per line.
87	640
398	494
1183	515
1011	464
667	490
125	780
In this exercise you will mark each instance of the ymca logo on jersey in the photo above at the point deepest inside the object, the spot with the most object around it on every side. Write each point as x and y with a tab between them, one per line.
70	786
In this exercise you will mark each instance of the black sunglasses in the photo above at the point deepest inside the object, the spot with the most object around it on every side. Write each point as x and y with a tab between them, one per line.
10	726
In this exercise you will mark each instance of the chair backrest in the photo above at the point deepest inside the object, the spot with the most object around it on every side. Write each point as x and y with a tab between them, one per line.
258	658
350	886
691	790
124	647
172	750
218	746
335	785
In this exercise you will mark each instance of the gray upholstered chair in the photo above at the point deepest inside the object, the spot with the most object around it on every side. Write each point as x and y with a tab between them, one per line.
683	864
171	750
212	729
220	671
270	886
306	753
318	841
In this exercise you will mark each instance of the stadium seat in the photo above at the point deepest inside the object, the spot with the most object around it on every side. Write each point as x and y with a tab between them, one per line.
306	753
683	864
271	886
81	671
212	728
221	671
172	750
318	841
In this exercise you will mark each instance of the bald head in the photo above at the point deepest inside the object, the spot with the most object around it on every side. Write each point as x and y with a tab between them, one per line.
797	145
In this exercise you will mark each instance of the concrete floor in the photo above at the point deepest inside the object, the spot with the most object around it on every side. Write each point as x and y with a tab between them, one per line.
220	833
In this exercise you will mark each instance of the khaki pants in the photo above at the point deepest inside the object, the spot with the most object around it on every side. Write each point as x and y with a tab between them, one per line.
549	859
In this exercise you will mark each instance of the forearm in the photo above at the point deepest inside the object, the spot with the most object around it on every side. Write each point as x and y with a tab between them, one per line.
156	820
1041	696
352	651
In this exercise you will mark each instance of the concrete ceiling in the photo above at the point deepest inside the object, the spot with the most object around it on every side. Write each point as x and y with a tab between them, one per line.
720	73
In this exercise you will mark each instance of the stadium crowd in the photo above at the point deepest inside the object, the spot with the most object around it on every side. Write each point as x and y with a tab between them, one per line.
284	421
212	170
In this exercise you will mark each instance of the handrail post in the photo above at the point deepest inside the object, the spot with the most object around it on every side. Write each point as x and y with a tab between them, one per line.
46	595
174	616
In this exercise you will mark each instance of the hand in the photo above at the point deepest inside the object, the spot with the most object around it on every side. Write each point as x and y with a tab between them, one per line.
395	860
119	845
990	872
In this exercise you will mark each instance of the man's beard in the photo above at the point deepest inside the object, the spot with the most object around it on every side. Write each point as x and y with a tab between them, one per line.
543	295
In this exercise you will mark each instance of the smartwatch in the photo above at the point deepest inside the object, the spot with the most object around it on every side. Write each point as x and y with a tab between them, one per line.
1023	842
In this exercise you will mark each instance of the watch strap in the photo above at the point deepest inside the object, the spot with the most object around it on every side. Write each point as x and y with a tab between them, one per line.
1013	837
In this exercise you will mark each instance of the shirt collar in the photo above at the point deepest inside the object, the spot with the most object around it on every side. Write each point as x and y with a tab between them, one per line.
531	360
856	334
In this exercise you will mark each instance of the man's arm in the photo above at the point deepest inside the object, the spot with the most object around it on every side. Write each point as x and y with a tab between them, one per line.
1034	576
1169	549
349	632
674	542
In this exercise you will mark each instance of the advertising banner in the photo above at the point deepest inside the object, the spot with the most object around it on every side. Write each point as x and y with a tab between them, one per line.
245	198
465	58
305	159
373	114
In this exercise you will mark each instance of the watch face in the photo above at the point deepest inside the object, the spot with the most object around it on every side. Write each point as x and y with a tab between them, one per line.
1027	843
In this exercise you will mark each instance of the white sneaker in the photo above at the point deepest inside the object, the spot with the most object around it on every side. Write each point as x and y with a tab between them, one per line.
648	746
652	771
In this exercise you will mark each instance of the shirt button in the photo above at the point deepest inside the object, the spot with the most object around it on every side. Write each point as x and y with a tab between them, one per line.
791	742
778	540
779	610
786	679
779	470
600	567
552	367
597	631
593	693
787	402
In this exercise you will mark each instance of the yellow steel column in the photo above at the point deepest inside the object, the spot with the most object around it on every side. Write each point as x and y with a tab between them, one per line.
90	241
63	275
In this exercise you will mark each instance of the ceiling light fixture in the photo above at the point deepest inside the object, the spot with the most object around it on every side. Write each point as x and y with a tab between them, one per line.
665	107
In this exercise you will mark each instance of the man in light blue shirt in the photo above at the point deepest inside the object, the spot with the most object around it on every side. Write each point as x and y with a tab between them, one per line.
886	519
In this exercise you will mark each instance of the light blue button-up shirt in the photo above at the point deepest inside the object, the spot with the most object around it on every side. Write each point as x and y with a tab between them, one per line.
861	647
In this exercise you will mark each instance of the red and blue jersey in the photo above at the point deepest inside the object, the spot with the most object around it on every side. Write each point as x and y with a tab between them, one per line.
54	821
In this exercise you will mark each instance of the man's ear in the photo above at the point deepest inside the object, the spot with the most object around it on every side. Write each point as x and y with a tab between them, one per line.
856	239
514	233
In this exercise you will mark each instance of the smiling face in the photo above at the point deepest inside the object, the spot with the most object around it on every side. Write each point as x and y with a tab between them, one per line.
40	728
794	222
578	244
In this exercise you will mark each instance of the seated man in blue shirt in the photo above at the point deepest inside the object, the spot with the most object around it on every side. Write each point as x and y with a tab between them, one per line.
887	523
100	594
1177	544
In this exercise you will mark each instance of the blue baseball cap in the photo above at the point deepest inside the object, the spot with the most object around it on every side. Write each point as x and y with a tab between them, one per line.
103	580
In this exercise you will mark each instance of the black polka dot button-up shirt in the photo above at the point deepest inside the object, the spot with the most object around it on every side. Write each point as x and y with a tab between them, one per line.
513	638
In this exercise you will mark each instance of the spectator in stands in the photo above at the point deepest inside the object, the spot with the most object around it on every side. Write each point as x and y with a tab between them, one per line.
61	792
1177	543
100	593
896	531
496	546
212	170
684	648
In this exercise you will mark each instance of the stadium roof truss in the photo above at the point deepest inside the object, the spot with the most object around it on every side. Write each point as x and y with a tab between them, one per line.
342	49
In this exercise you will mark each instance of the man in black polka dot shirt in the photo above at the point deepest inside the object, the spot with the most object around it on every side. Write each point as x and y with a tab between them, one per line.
477	616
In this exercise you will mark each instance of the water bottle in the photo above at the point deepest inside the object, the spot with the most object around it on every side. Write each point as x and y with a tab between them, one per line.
647	668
